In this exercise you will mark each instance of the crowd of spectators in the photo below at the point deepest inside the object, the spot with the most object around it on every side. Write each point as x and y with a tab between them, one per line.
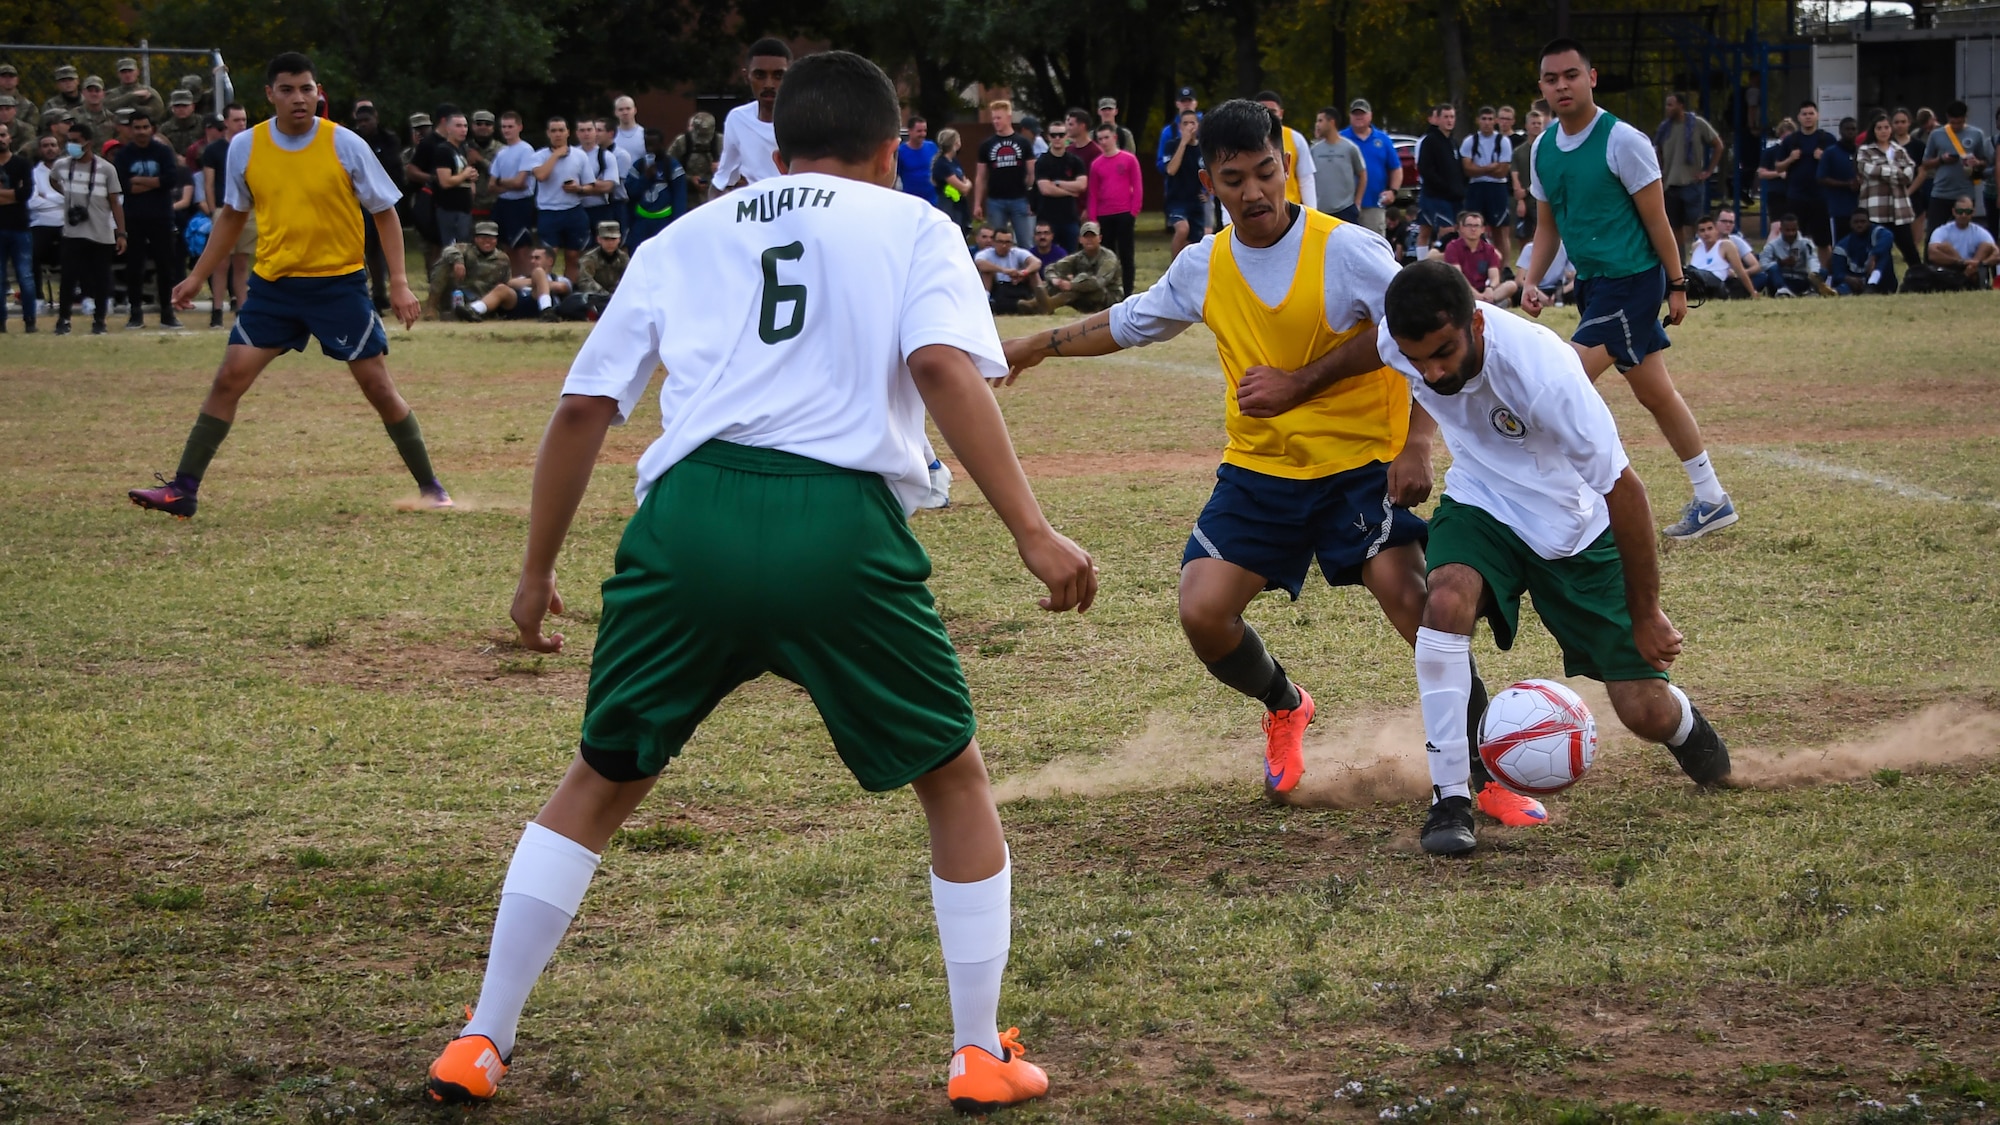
94	179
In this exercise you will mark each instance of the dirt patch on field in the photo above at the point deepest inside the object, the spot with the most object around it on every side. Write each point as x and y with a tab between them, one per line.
1719	1049
1733	409
485	662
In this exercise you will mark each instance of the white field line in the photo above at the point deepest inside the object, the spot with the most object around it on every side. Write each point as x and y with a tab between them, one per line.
1858	476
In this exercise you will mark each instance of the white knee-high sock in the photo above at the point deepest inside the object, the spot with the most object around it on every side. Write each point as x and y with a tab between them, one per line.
1444	683
1686	727
1701	474
544	887
975	926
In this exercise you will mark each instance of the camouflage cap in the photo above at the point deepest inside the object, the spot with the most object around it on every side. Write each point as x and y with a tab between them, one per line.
7	71
1091	228
128	64
420	121
93	81
609	229
190	81
55	117
482	117
181	97
63	72
7	100
490	230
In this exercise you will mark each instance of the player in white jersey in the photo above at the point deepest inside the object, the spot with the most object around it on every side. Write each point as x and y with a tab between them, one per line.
771	536
1539	499
749	144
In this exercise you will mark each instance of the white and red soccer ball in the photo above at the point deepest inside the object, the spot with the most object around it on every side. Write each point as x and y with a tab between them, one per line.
1537	738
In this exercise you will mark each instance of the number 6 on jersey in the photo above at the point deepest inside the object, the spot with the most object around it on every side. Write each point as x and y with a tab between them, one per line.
776	294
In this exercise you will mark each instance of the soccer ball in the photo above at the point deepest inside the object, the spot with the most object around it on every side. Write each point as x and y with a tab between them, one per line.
1537	738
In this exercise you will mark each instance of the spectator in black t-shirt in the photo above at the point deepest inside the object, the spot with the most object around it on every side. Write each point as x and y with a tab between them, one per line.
388	150
151	179
17	246
954	191
1060	181
452	177
214	181
1000	182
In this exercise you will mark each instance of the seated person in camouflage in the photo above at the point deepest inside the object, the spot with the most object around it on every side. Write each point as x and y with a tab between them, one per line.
471	278
597	276
1087	280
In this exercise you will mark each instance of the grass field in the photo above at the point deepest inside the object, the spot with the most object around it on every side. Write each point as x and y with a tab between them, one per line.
263	771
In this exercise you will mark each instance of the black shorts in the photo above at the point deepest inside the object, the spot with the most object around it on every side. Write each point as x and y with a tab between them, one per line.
1813	220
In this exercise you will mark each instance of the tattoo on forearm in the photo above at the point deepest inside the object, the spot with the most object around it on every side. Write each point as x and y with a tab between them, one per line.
1060	336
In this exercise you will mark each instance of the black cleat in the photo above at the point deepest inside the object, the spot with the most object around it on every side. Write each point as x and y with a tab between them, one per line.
1704	757
1448	828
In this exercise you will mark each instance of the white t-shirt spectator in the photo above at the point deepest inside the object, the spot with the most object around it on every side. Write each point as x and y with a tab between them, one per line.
1710	260
511	161
749	148
372	185
89	182
1482	149
549	195
822	373
1966	240
631	142
1558	267
1016	259
1532	442
45	206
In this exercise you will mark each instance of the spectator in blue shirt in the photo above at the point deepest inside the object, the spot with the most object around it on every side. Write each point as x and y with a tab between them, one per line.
914	159
1378	154
1863	262
1170	133
1839	183
657	187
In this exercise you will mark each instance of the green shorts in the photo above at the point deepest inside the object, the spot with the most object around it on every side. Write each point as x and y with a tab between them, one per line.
1581	599
743	561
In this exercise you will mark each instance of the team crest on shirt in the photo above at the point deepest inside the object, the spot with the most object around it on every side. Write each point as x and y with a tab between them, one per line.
1507	423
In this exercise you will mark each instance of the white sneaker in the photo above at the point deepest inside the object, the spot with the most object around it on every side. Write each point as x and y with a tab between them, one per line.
89	306
940	493
1784	291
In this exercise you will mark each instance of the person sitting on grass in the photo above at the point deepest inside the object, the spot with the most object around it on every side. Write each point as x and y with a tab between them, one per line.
772	535
1087	280
1011	274
1963	245
1479	260
1864	261
1791	261
1716	266
470	272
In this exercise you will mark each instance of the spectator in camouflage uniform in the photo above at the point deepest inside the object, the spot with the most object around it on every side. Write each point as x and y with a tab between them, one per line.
66	100
134	94
102	123
182	128
603	267
697	150
10	116
481	146
1089	280
478	270
27	113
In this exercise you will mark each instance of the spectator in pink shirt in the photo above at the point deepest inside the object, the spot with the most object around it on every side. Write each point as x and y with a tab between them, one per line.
1115	196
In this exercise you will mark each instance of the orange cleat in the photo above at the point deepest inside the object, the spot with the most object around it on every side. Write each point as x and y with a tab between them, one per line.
1510	808
469	1071
1285	745
981	1083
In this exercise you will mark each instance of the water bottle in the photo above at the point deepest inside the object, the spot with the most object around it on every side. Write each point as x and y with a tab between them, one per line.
457	299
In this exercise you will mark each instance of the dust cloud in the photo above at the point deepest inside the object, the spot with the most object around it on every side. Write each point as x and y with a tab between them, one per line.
1356	761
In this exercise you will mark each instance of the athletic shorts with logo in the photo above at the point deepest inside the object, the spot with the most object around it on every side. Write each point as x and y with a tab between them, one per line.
1622	314
286	313
1193	212
1276	527
1581	599
744	561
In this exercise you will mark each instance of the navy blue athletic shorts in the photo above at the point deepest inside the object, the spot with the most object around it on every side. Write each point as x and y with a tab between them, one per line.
1622	314
1276	527
1437	213
516	219
1492	201
336	311
566	229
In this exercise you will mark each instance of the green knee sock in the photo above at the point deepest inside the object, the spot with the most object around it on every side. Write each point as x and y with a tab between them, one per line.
202	442
409	439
